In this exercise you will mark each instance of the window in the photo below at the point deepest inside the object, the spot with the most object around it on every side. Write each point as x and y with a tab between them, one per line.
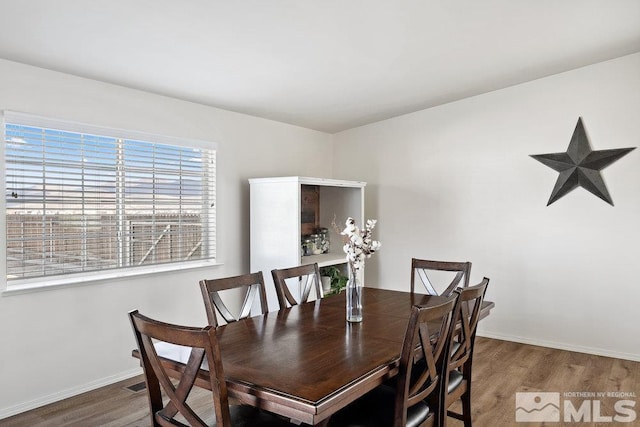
82	199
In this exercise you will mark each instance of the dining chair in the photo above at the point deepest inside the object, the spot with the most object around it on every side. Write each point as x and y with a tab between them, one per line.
460	357
422	269
415	399
203	352
303	278
253	286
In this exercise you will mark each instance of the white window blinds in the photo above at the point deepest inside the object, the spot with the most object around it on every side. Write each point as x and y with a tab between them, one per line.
81	198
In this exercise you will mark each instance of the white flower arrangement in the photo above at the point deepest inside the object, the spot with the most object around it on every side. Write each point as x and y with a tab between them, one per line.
359	244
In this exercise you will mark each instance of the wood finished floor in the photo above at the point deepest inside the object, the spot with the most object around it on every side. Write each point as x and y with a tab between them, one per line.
501	369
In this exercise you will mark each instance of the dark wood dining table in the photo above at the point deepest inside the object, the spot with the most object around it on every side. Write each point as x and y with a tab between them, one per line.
307	362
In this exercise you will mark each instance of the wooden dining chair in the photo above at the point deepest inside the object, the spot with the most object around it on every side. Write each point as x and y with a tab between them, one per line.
422	269
253	286
460	357
415	399
303	278
204	353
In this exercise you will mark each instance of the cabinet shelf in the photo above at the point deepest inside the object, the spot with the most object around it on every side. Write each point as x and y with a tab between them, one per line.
324	260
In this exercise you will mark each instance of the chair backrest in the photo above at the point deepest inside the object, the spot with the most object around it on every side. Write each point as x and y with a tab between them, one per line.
422	359
468	313
204	348
305	277
253	285
422	268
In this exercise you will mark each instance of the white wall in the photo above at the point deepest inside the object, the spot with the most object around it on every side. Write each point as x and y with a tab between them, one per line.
59	342
456	182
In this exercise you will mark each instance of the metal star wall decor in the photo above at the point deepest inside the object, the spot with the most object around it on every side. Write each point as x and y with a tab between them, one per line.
580	166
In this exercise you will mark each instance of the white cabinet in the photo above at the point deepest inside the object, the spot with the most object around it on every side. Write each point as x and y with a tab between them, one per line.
277	221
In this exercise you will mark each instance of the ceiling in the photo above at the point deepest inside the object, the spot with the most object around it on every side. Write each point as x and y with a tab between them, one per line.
328	65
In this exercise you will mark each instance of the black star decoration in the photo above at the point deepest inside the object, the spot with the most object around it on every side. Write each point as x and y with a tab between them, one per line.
580	166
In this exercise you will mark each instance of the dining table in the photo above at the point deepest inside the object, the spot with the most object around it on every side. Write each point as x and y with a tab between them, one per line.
307	362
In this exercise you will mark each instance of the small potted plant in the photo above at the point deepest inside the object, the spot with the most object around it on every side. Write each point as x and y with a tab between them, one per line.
337	279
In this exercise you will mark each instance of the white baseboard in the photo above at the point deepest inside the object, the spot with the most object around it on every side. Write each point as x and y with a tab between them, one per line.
561	346
65	394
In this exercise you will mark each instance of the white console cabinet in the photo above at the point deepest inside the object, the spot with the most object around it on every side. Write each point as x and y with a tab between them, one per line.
279	215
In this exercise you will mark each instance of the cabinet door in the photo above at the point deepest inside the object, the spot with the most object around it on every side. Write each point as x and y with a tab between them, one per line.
275	230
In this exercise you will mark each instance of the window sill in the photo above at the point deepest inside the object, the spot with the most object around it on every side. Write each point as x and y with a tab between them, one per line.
18	287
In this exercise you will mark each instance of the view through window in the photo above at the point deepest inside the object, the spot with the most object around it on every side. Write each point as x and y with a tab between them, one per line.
85	199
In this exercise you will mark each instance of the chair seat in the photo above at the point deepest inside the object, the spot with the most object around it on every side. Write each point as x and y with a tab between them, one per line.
178	353
376	409
455	345
455	379
249	416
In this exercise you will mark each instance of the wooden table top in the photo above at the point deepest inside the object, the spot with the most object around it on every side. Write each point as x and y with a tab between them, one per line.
307	362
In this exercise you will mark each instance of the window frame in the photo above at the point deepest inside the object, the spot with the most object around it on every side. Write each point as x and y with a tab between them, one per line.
22	285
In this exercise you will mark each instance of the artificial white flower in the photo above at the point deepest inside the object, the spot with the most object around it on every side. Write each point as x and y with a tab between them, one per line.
359	244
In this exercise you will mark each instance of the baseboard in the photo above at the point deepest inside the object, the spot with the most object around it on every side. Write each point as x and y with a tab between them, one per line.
65	394
561	346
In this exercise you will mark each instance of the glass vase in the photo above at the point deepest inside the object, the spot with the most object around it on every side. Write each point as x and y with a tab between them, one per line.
354	294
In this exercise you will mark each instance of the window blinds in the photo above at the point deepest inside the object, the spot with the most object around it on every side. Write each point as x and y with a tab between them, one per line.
81	198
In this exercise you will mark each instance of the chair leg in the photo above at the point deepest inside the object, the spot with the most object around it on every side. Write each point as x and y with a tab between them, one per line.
466	407
466	396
